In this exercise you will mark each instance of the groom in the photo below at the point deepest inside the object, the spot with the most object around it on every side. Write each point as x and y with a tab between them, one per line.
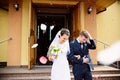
79	56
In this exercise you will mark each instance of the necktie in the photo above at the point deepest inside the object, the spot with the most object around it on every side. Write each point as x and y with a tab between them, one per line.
81	46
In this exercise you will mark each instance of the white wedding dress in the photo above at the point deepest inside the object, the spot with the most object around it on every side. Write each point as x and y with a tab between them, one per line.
60	68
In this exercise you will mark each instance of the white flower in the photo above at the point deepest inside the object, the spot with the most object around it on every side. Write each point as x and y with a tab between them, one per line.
55	50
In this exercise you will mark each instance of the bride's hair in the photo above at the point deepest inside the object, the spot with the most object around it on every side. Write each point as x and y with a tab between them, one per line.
64	31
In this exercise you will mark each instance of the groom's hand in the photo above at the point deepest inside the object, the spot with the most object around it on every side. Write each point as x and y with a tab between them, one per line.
90	37
85	59
77	56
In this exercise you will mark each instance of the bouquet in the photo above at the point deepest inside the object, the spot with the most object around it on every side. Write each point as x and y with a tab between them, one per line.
53	53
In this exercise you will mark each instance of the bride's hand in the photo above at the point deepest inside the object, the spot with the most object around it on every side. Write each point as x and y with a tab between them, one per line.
52	57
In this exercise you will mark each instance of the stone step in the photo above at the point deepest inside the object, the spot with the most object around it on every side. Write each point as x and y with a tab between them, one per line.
106	72
106	77
47	73
95	77
43	73
47	69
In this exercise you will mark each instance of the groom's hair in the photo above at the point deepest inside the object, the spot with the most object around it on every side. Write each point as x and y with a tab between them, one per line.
64	31
85	34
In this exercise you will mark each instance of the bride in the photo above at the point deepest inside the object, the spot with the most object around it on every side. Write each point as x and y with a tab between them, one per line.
57	53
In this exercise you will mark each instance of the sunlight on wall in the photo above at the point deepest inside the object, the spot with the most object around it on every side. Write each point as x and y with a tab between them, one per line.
108	25
25	33
3	34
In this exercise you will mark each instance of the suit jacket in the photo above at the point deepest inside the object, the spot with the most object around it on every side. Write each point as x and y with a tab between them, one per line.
75	49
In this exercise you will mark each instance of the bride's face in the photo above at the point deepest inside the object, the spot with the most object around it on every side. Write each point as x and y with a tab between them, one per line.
63	38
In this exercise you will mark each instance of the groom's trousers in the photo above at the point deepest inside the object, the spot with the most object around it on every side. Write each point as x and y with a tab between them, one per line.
84	74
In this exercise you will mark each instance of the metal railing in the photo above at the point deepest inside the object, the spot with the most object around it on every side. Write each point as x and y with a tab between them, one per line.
105	44
116	64
8	39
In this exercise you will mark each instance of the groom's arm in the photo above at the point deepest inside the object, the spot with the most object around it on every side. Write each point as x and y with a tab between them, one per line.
92	44
71	56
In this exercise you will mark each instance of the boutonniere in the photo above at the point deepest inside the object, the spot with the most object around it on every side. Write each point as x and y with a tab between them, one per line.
85	44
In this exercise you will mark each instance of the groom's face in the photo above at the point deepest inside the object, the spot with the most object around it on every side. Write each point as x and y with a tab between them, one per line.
82	39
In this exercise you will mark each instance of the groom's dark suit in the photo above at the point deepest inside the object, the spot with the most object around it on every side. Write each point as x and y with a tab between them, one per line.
81	70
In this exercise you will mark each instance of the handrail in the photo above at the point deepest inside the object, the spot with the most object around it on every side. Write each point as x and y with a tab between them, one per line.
105	44
5	40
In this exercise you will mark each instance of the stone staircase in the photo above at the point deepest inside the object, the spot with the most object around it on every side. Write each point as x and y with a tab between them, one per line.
106	73
43	73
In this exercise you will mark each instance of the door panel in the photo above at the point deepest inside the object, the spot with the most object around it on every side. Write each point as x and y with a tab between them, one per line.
32	51
32	40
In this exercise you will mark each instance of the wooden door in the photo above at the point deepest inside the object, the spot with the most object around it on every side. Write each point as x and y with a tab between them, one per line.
32	40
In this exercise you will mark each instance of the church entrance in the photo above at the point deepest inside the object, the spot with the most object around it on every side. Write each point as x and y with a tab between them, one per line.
47	27
49	19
